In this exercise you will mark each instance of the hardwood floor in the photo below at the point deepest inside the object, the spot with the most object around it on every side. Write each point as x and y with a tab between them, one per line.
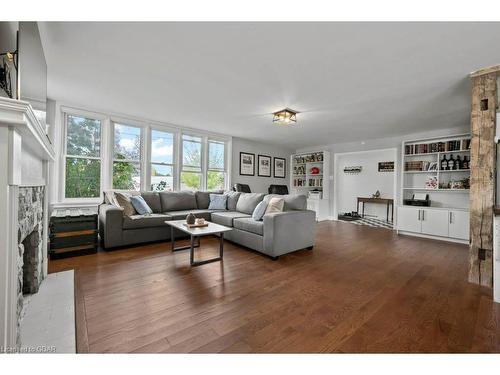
361	289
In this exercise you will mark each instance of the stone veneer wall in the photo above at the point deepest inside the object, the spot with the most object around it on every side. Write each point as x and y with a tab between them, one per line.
30	243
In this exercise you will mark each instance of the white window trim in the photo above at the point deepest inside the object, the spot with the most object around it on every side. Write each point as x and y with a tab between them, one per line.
107	150
63	147
174	154
142	131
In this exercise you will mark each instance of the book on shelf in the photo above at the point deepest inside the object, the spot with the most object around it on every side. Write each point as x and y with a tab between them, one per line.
433	147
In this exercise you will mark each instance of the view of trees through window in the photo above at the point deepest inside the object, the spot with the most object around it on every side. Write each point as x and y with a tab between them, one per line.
83	159
83	152
127	157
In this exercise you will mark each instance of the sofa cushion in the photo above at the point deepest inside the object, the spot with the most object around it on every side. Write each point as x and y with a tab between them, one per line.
203	198
181	214
248	201
275	205
217	202
152	198
232	199
250	225
178	200
259	211
140	205
292	201
145	221
226	217
124	202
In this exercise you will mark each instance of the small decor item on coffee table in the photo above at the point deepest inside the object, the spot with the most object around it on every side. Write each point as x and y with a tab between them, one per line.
199	222
197	232
190	219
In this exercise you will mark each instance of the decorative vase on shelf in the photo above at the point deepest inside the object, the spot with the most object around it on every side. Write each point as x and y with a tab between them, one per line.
190	219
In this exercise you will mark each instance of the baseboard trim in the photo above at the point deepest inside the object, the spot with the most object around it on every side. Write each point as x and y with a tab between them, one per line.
447	239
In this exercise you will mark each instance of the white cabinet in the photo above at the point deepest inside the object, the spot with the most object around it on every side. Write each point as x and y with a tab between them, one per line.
434	222
321	207
442	223
409	219
459	224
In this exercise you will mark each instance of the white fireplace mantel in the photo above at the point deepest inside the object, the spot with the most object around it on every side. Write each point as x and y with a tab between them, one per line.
25	152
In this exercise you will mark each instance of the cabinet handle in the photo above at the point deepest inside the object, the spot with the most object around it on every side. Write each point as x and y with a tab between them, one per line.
423	215
451	218
418	215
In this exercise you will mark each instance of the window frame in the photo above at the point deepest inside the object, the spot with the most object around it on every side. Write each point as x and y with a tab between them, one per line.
202	156
64	155
224	169
150	161
141	161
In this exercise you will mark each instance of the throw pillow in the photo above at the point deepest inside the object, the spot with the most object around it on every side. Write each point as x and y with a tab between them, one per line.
232	199
217	202
259	211
275	205
140	205
123	200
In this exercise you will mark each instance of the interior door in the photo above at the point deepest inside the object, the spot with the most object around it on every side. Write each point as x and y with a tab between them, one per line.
409	219
435	222
459	224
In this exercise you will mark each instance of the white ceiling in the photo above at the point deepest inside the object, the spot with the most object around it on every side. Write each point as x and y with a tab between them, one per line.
352	81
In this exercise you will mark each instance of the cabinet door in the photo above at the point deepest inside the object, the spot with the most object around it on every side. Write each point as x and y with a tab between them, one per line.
459	224
435	222
408	219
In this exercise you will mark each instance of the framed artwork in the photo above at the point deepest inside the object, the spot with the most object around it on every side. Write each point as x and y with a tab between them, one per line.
247	164
264	166
279	168
386	166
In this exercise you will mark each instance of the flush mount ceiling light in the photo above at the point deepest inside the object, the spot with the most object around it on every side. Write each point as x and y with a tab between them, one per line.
286	116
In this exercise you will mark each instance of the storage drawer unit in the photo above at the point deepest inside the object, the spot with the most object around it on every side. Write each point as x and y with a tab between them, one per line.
449	223
73	232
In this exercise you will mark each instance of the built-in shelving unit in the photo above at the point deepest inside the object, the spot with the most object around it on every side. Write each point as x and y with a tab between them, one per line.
309	173
447	188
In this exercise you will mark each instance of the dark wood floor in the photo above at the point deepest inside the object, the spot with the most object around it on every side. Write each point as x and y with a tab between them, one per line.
361	289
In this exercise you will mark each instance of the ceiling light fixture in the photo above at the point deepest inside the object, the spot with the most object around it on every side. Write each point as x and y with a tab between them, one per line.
286	116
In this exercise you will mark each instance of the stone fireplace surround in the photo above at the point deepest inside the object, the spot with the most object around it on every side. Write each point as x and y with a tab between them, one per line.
31	237
25	154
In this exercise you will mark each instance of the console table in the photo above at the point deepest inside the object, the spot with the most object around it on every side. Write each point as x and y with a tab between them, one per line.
389	202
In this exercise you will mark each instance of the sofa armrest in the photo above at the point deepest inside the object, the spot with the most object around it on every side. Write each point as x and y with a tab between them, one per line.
287	231
110	225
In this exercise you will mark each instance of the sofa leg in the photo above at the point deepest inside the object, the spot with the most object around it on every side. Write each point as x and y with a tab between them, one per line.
310	248
275	258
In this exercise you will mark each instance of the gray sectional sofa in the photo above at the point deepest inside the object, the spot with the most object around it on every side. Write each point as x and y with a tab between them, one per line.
277	234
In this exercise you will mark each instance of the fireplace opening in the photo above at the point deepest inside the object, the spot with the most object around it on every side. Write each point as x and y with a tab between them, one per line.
32	270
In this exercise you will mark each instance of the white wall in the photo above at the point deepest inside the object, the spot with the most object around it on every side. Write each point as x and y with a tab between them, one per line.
382	143
364	184
259	184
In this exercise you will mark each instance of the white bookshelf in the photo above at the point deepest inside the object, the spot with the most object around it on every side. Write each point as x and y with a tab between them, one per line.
309	175
447	217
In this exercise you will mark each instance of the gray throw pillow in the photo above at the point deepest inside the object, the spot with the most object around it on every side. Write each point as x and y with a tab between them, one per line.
232	199
259	211
217	202
140	205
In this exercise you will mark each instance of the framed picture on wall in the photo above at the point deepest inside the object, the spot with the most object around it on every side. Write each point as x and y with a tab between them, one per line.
279	168
247	164
264	166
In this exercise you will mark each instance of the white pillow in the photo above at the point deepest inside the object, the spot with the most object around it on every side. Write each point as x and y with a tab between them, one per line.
217	202
275	205
259	211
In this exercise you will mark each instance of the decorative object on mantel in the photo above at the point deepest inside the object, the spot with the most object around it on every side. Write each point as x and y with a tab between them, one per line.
386	166
247	164
263	166
286	116
279	167
353	170
376	195
5	73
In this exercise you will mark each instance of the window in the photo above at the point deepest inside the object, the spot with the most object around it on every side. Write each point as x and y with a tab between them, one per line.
162	161
216	174
191	163
127	157
83	157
